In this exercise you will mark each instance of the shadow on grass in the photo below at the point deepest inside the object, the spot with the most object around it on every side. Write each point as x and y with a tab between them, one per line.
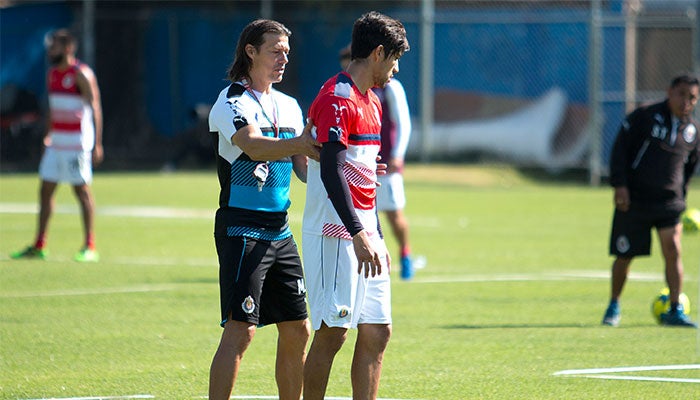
576	176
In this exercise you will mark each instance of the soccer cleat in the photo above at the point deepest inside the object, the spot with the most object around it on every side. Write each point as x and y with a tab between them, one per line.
87	255
406	268
30	252
676	317
612	315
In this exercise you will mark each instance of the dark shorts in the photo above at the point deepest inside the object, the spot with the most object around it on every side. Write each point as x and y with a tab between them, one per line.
631	230
260	282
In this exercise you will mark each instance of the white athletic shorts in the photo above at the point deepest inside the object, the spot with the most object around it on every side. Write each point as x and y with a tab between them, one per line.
390	195
70	166
337	294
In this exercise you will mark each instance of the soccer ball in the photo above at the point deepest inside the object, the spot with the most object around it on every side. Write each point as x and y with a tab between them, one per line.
661	304
691	220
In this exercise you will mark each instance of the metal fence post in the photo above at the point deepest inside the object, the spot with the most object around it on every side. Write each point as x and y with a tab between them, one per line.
594	93
426	77
88	39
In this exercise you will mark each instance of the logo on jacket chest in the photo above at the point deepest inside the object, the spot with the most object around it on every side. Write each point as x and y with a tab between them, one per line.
689	133
659	132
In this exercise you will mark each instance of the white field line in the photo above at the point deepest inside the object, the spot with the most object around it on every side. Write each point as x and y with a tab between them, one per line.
610	373
583	275
563	276
142	261
641	378
192	213
160	212
475	278
116	211
83	292
642	368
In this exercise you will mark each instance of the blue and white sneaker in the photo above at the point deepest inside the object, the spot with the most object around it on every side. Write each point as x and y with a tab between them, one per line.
677	317
612	314
406	268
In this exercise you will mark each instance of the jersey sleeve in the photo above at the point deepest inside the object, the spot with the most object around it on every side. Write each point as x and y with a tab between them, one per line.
691	165
332	117
298	120
227	116
399	113
618	158
336	185
620	151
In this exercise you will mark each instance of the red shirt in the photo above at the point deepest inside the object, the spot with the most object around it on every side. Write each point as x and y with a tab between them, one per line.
72	126
341	113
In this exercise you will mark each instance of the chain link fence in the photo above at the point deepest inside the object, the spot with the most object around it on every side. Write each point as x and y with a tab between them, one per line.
510	82
645	44
533	83
547	83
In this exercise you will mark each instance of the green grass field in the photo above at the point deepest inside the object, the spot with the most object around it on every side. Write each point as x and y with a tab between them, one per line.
514	291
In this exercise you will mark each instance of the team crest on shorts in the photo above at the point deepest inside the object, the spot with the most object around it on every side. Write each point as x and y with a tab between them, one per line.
623	244
343	312
248	305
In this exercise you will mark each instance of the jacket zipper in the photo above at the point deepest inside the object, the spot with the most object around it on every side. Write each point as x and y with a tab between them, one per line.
640	154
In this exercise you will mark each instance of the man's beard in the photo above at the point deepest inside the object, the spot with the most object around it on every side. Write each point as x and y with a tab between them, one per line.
55	60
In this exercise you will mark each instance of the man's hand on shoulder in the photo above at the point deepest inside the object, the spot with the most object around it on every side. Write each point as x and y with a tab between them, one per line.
309	146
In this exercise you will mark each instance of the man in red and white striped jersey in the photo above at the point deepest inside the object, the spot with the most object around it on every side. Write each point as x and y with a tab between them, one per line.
73	141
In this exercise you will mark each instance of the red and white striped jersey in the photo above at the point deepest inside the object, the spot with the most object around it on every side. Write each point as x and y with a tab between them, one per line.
72	124
341	113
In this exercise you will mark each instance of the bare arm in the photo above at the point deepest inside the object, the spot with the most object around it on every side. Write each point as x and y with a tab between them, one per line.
46	142
263	148
621	198
90	91
399	113
300	164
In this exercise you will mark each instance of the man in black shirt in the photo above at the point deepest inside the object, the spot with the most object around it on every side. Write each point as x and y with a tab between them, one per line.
652	161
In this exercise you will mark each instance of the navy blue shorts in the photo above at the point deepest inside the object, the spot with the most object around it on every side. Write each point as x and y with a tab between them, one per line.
631	230
260	282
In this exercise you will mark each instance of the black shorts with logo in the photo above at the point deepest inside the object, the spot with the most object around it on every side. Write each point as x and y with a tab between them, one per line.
631	230
260	282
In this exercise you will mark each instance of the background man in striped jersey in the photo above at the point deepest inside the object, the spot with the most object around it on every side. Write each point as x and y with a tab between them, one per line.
73	141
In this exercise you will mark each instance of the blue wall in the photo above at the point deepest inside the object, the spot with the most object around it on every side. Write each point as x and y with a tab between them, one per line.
22	31
205	44
523	58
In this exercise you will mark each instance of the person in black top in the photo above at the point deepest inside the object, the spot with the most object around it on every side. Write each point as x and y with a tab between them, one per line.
652	161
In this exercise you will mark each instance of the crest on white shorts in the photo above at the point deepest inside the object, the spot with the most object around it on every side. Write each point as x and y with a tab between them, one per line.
343	312
248	305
